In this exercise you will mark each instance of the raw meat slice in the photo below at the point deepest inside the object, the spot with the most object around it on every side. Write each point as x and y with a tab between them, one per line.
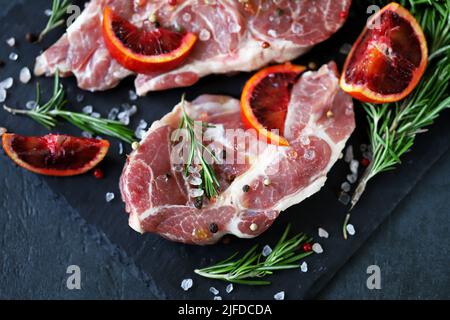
231	36
257	180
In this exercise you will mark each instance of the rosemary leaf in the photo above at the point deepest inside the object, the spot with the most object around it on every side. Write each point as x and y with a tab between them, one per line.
253	264
56	19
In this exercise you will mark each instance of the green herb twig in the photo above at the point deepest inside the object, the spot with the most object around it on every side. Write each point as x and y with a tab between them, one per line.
393	127
210	184
48	113
59	10
253	265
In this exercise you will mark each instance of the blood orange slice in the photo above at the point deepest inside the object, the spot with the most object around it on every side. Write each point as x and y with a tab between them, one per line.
145	51
55	155
265	100
388	59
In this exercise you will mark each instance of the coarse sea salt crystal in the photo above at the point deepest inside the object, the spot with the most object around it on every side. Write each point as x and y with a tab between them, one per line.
195	181
267	250
31	105
142	124
317	248
186	284
11	42
344	198
25	75
186	17
86	134
350	229
120	148
95	115
304	267
3	95
204	35
132	95
352	178
7	83
279	296
345	186
272	33
195	193
109	196
354	166
87	109
229	288
348	154
48	12
113	113
323	233
140	133
214	291
13	56
217	298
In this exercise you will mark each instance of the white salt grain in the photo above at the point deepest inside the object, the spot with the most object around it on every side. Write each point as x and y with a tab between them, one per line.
279	296
95	115
229	288
120	148
214	291
109	197
354	166
31	105
352	178
86	134
323	233
195	181
317	248
304	267
195	193
140	133
142	124
88	109
11	42
344	198
217	298
348	154
13	56
186	284
132	95
7	83
350	229
3	95
112	115
48	12
346	187
267	250
25	75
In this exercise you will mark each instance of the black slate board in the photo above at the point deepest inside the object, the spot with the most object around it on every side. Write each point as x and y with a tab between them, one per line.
166	263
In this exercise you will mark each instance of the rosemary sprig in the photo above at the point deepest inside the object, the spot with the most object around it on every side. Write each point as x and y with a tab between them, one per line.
59	10
393	127
210	184
47	114
253	265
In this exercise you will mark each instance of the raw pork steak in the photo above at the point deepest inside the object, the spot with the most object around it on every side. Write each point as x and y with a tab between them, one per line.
157	194
233	35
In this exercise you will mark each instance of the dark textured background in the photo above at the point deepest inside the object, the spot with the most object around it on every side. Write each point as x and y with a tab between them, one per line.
49	224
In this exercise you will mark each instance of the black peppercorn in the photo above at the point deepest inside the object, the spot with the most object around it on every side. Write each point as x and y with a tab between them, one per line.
198	203
213	228
246	188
